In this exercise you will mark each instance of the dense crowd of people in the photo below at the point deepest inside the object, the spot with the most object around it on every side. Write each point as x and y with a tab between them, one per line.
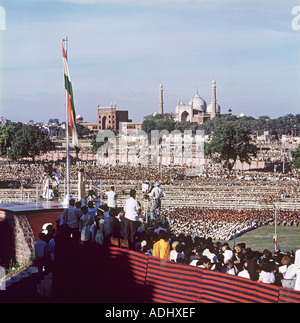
185	234
281	269
215	187
93	222
223	224
33	172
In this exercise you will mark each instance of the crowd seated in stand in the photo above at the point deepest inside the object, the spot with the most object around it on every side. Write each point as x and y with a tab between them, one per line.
211	173
214	186
224	224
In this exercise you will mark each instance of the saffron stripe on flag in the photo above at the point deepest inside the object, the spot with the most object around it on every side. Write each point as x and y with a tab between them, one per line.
70	100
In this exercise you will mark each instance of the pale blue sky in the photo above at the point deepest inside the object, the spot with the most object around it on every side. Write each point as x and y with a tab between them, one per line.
121	50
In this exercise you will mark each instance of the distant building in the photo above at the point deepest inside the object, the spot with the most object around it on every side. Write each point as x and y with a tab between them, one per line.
128	127
110	117
92	126
197	110
161	100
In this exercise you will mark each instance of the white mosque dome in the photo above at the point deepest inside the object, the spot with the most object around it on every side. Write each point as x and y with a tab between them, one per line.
198	103
209	108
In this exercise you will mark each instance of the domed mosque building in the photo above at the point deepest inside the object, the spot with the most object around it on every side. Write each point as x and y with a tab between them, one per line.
197	110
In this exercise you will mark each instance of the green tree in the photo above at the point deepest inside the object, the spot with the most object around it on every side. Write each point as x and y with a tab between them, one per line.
82	131
148	125
230	142
296	159
7	135
19	141
210	125
182	126
158	122
165	124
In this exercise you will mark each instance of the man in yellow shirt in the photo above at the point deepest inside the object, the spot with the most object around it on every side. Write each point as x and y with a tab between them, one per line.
161	248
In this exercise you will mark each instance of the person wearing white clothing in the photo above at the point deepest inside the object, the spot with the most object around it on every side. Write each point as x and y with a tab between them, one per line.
266	275
244	273
297	264
228	255
230	268
132	211
56	177
112	198
292	276
92	209
173	252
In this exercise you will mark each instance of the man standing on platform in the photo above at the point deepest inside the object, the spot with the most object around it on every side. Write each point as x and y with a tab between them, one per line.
132	211
112	199
157	193
71	218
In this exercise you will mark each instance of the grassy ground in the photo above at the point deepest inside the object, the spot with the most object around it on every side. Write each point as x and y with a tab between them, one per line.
261	238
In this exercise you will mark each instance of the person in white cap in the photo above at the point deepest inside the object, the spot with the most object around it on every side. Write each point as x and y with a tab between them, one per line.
157	193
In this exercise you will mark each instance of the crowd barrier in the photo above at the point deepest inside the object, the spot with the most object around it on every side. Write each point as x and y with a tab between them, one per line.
84	273
288	296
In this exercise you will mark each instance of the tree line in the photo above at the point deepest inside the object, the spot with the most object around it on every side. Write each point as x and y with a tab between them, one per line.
285	125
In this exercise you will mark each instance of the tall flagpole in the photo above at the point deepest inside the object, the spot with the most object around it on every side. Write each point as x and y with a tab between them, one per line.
67	197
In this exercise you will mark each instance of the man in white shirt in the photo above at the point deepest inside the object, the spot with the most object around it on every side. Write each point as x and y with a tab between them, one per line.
112	198
244	273
157	193
132	211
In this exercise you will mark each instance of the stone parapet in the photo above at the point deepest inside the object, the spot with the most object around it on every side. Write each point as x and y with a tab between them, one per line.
20	225
23	237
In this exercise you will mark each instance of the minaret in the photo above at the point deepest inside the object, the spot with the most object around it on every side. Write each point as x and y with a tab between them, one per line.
214	100
161	100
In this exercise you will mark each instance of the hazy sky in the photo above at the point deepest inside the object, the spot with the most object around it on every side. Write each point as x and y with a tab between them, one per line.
121	50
